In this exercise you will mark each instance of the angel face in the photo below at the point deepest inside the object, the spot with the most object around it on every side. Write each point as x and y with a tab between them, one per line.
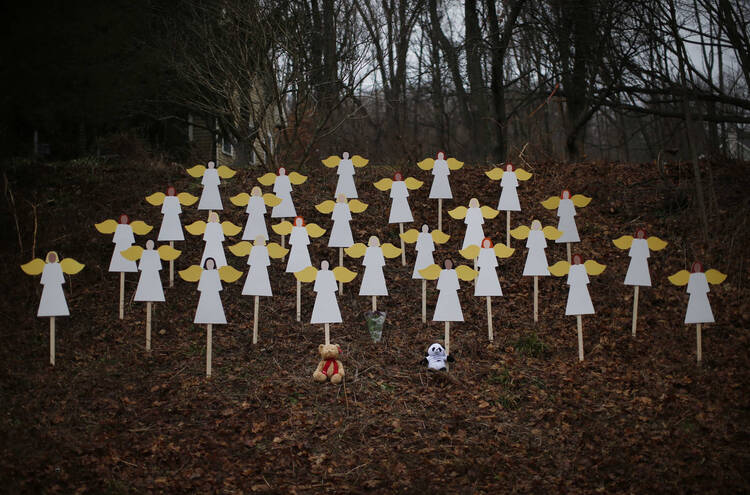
171	191
209	264
440	155
536	225
425	228
345	154
697	267
124	219
565	194
398	176
281	171
436	350
373	242
487	243
149	244
341	198
211	164
213	217
260	240
473	203
509	167
448	264
255	191
324	265
577	259
52	257
640	233
299	222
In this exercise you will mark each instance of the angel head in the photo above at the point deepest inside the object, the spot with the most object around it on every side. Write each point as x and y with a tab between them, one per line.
345	154
256	191
509	167
259	241
124	219
487	243
209	264
473	203
696	267
425	228
341	198
149	244
373	241
536	225
281	171
213	217
299	221
577	259
398	176
441	155
640	233
52	257
448	264
565	194
212	164
171	191
324	265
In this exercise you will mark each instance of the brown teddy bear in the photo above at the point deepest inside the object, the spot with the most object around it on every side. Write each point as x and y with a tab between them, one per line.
330	366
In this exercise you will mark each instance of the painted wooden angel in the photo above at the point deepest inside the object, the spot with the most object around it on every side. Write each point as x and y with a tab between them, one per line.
536	258
566	211
52	303
400	211
257	282
698	308
640	248
425	246
255	204
210	310
345	170
123	238
373	280
341	214
473	217
508	177
441	187
579	301
487	282
211	179
149	289
213	237
326	307
282	188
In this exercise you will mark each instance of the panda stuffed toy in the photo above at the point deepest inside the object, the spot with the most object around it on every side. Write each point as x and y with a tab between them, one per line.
436	358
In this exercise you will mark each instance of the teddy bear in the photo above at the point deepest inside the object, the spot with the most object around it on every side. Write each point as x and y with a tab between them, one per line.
330	366
436	358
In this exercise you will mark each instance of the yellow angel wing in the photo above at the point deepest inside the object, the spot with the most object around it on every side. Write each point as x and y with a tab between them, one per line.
225	172
267	179
560	268
314	230
552	233
343	274
521	232
356	250
309	274
412	183
551	203
465	273
191	274
186	199
332	161
326	207
197	171
715	276
140	227
156	199
390	251
594	268
33	267
282	228
241	248
410	236
503	251
71	266
229	228
656	244
623	242
580	200
431	272
357	206
439	237
521	174
132	253
469	252
359	161
229	274
426	164
106	227
459	213
271	199
242	199
276	251
454	164
489	212
384	184
196	228
296	178
495	174
680	278
168	253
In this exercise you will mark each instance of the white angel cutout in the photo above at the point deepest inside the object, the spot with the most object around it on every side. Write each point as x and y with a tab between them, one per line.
373	280
487	282
149	289
213	237
326	306
579	301
210	310
441	187
211	179
638	274
566	211
345	170
448	306
255	203
536	258
425	246
123	238
341	214
400	211
52	302
508	177
699	308
257	282
473	217
282	188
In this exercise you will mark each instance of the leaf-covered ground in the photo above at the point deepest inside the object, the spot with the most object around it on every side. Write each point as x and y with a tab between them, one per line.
520	414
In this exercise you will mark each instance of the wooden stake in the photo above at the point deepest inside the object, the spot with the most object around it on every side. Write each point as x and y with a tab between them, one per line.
447	342
299	301
424	301
580	337
475	269
171	268
122	295
282	245
699	345
489	318
328	333
148	325
52	340
569	259
341	263
635	308
403	250
209	338
440	214
507	228
255	320
374	303
536	298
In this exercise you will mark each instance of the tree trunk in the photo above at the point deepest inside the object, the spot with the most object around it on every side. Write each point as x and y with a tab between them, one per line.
473	44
